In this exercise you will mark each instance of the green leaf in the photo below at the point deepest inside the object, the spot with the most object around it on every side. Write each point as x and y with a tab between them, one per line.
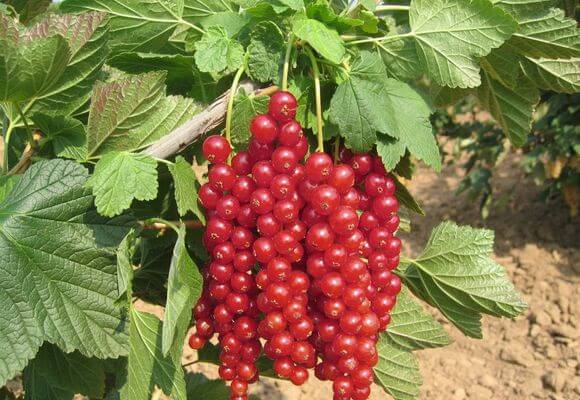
503	65
217	53
180	68
325	41
451	37
398	370
522	8
194	10
358	105
199	387
406	117
134	25
323	12
391	151
183	290
511	108
125	254
400	57
560	75
266	52
28	9
406	198
295	5
121	177
245	108
132	111
232	22
147	366
66	134
86	36
30	63
370	21
185	190
6	185
412	328
456	274
547	34
58	278
54	375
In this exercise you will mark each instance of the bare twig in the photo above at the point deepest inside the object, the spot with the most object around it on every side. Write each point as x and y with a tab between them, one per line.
24	162
205	121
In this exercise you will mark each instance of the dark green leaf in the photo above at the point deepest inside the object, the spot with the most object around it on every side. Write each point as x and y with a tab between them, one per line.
183	290
185	189
125	254
54	375
217	53
66	134
407	199
58	284
200	387
266	52
245	108
325	41
6	185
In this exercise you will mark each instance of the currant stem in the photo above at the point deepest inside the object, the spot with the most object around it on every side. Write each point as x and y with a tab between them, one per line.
231	100
392	7
286	69
336	149
319	124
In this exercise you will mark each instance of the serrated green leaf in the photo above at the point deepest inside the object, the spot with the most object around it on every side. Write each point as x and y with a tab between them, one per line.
194	10
370	22
266	52
451	36
406	198
406	117
132	111
125	254
232	22
86	35
66	135
30	62
54	375
180	68
400	57
357	106
412	328
503	65
398	370
245	108
547	34
217	53
185	190
6	185
324	40
323	12
58	284
522	8
559	75
200	387
134	25
511	108
391	151
184	287
295	5
442	96
121	177
456	274
147	367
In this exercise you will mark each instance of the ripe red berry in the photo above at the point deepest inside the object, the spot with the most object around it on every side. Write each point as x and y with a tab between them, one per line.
282	106
264	129
242	163
216	149
319	167
342	178
325	199
221	177
290	134
320	236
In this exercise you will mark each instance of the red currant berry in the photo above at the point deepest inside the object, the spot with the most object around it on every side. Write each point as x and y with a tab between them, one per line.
264	129
216	149
282	106
290	134
319	167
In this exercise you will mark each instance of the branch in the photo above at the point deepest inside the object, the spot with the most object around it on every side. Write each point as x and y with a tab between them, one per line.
205	121
160	226
27	154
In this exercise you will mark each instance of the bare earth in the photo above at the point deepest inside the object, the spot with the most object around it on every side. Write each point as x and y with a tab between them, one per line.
535	356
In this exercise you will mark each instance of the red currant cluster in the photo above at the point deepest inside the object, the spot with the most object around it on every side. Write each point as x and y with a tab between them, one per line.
301	257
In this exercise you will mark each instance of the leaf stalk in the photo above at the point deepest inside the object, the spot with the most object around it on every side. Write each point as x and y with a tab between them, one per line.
230	109
318	95
286	69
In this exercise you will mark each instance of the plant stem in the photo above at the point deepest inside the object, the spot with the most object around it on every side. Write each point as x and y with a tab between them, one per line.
28	130
319	124
7	134
286	69
231	99
358	40
153	224
392	7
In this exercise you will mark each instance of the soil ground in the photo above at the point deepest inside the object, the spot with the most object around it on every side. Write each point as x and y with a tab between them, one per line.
535	356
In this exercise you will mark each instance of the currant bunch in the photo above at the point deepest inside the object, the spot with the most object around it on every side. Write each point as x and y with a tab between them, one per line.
352	217
302	255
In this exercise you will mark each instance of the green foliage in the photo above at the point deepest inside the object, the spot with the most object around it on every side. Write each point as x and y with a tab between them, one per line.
100	81
44	284
456	274
121	177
